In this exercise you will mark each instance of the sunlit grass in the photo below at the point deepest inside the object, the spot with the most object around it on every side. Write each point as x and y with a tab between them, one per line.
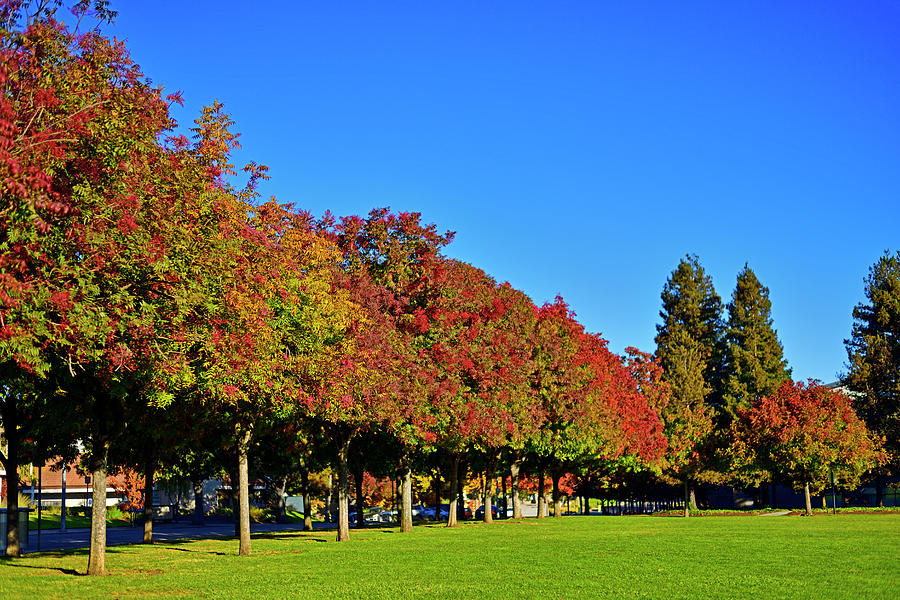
844	556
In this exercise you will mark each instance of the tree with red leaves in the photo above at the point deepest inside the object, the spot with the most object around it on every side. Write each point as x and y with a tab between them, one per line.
388	264
559	381
593	410
478	342
686	426
803	432
280	327
93	263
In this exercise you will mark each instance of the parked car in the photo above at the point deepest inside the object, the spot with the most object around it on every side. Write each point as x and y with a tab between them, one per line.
419	512
495	512
387	516
373	515
462	512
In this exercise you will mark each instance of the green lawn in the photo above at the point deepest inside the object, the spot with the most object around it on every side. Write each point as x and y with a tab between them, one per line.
844	556
72	522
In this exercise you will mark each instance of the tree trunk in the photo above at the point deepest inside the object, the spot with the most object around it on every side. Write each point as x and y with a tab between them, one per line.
280	507
360	499
514	470
505	497
395	484
343	529
243	434
879	491
489	473
11	464
487	499
807	498
436	484
540	493
307	507
687	499
328	498
148	502
557	497
199	511
406	520
463	472
693	496
97	556
454	483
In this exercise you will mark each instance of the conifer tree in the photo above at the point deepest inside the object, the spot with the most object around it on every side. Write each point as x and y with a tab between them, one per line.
689	341
689	350
873	351
754	361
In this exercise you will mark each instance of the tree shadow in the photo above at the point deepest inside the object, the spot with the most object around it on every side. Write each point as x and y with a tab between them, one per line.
57	553
287	536
213	552
60	569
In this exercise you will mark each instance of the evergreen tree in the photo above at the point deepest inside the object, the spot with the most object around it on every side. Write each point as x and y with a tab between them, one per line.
754	363
689	342
874	356
689	350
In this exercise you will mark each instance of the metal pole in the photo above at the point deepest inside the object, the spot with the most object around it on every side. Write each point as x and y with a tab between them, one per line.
39	508
833	495
62	514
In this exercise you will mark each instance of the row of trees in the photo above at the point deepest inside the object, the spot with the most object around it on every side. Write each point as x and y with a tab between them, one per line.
168	320
163	318
750	423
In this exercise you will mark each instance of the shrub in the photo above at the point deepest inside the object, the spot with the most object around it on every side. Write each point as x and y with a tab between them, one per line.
115	513
259	515
24	501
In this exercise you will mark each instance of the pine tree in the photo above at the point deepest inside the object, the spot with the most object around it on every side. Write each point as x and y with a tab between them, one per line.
873	351
689	340
689	349
754	361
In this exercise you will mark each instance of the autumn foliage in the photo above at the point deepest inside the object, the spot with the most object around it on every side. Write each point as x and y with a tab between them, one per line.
803	432
154	295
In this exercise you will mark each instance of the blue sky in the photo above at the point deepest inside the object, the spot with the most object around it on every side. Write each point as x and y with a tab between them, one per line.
577	148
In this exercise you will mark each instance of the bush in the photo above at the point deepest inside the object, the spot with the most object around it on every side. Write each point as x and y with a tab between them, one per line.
222	511
115	513
259	515
24	501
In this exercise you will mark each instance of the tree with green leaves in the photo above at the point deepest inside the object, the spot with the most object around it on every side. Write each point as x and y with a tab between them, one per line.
95	248
873	351
690	350
755	365
689	342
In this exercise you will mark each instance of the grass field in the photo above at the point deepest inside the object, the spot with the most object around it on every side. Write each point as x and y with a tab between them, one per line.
844	556
72	522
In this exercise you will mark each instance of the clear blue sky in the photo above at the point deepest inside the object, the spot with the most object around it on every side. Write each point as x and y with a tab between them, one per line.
577	148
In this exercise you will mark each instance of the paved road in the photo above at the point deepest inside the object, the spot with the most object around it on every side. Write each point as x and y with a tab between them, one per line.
54	539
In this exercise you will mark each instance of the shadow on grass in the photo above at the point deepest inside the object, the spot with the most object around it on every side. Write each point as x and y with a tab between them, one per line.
213	552
58	553
60	569
287	536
